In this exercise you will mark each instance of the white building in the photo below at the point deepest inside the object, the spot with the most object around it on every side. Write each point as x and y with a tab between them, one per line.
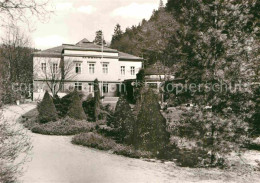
80	65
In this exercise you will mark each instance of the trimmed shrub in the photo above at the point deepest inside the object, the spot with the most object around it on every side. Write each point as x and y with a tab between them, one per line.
63	104
65	126
97	100
75	110
58	105
100	142
94	140
123	121
46	109
150	132
89	107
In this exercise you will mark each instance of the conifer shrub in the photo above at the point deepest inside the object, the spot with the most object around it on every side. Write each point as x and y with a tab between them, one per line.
75	109
89	107
62	104
96	100
150	129
58	105
123	121
46	109
214	137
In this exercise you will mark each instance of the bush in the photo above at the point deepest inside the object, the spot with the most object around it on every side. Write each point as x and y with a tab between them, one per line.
96	100
65	126
214	135
62	105
123	121
58	105
94	140
46	109
75	110
107	131
150	128
14	147
100	142
30	119
88	107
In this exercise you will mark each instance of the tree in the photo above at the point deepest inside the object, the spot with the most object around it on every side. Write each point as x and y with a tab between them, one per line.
17	64
204	44
161	5
55	73
150	127
150	38
13	11
117	34
99	37
97	100
216	44
46	109
215	135
75	110
123	121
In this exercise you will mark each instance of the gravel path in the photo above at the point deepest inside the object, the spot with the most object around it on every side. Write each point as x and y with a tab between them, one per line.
55	160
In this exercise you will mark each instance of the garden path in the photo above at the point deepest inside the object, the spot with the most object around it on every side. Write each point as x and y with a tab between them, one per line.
55	160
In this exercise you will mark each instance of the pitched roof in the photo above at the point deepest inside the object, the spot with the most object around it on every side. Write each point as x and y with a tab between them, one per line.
56	52
83	41
126	56
85	45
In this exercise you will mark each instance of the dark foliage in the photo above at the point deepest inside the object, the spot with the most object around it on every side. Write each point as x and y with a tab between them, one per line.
75	109
150	128
89	108
96	100
123	121
65	126
47	110
62	104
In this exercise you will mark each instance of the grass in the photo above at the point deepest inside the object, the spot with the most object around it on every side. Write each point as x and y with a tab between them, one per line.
97	141
65	126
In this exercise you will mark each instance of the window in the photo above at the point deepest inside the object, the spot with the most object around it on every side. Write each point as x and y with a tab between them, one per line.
91	68
105	88
132	70
122	70
78	68
78	86
105	68
43	66
54	68
90	87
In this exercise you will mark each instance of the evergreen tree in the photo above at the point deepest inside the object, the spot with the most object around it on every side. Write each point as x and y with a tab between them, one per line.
117	34
97	100
213	133
75	109
99	37
217	44
161	5
46	109
150	126
123	121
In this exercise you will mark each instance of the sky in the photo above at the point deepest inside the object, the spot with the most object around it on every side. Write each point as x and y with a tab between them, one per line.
74	20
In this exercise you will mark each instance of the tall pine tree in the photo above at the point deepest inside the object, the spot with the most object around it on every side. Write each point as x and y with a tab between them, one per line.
99	37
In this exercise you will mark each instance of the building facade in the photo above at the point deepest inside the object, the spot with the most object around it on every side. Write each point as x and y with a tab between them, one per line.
79	65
